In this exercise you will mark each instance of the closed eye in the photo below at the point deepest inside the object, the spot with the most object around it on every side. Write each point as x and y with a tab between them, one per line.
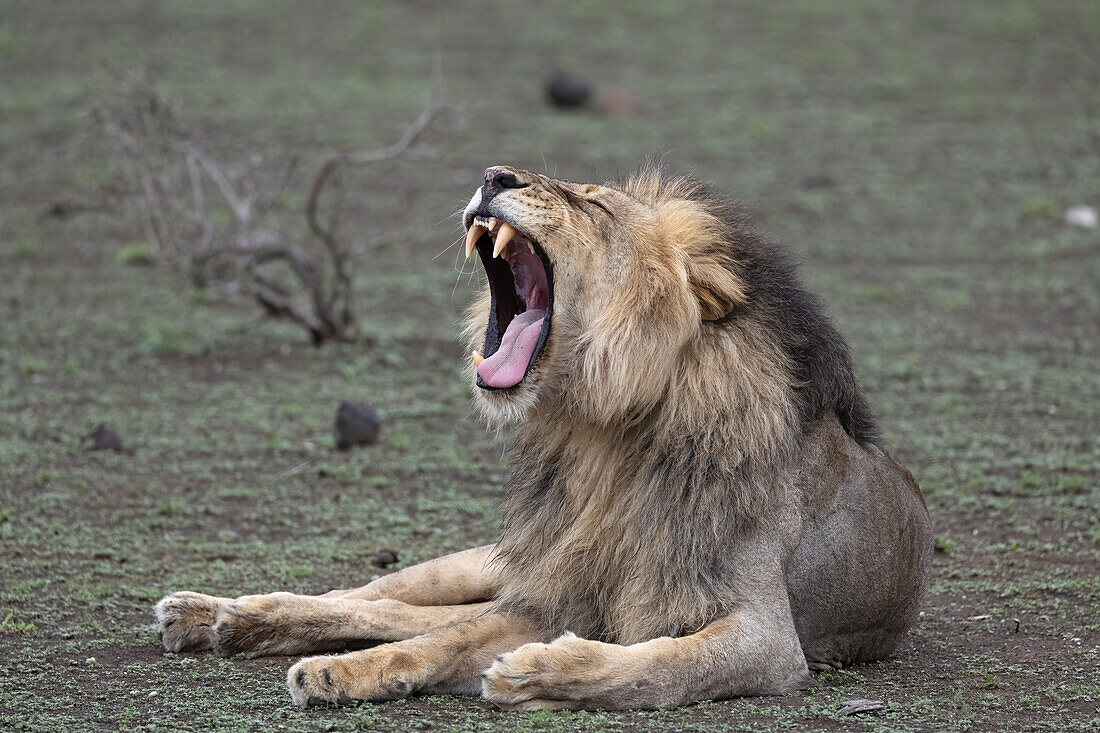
606	210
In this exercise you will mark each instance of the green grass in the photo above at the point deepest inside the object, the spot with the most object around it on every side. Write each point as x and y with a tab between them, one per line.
955	136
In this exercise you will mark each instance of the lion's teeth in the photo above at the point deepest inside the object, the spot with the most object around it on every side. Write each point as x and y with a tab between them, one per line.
531	247
492	224
504	236
478	358
472	236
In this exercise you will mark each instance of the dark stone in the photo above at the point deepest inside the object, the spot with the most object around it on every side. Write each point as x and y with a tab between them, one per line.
568	91
384	558
104	438
817	180
356	424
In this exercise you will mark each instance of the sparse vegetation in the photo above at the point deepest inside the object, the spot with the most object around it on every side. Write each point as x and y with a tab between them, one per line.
134	255
953	137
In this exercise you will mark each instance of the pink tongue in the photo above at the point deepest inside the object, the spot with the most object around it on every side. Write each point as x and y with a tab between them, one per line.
506	367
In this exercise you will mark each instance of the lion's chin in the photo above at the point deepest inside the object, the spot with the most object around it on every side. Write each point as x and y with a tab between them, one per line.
506	407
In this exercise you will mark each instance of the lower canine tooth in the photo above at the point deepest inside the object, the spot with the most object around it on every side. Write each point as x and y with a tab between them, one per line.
504	236
478	358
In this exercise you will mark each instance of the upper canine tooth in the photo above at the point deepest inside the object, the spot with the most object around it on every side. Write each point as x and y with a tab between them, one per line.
472	236
504	236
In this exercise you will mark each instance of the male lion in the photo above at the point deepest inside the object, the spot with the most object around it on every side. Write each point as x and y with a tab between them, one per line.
697	506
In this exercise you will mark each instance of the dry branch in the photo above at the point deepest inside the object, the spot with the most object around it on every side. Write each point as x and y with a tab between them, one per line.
182	186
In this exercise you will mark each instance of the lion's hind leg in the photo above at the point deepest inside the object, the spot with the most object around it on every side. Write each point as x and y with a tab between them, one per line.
185	621
401	605
284	623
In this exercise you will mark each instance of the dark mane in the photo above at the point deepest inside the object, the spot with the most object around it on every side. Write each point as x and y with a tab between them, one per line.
797	318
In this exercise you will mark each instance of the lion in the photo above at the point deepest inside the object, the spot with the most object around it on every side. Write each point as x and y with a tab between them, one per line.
698	506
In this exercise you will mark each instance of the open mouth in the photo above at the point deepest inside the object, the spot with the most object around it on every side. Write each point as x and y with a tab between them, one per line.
521	286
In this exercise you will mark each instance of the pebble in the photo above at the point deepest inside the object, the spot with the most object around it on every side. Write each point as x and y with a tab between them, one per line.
1082	216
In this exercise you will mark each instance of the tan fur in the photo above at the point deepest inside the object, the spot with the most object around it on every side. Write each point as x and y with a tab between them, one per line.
644	371
671	501
404	604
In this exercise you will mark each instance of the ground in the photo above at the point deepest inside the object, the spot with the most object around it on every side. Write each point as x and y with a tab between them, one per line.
916	157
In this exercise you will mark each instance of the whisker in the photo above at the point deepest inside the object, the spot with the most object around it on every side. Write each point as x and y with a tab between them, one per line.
442	251
460	238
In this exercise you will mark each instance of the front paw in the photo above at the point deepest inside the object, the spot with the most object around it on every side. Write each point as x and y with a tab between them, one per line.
313	681
185	621
536	676
374	675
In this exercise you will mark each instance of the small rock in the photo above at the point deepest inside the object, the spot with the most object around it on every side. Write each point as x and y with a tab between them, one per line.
104	438
384	558
816	180
568	91
356	424
860	706
90	661
1082	216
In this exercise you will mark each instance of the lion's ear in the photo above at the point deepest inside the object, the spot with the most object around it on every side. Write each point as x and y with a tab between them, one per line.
716	287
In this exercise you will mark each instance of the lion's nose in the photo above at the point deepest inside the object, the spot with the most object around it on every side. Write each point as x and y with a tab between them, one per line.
502	178
499	179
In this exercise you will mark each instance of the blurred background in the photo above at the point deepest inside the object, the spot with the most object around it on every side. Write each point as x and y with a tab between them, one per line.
221	220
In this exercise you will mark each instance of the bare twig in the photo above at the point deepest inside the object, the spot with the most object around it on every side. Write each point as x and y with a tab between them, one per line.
171	168
852	707
242	208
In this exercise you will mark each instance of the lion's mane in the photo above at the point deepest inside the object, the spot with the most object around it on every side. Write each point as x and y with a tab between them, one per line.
678	431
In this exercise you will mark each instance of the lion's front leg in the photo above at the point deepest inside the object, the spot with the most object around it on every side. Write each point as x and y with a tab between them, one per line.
749	652
449	660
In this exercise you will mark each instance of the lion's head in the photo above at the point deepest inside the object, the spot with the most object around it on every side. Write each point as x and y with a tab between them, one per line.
592	290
